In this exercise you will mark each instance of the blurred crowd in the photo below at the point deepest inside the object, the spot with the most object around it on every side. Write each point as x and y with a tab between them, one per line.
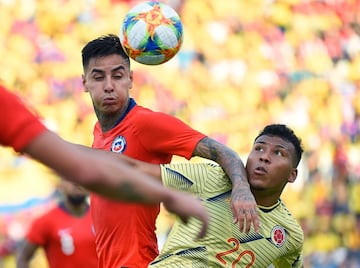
243	64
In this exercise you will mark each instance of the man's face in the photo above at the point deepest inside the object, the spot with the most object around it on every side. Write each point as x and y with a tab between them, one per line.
73	192
270	164
108	80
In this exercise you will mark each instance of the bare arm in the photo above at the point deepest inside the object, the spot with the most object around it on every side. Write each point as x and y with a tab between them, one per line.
102	172
242	200
24	254
97	170
151	169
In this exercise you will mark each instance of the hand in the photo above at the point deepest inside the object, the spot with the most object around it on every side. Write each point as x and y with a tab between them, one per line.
243	206
186	206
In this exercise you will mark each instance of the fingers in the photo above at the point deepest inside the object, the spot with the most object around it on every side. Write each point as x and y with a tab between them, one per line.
204	220
244	208
186	207
204	227
249	217
255	220
246	217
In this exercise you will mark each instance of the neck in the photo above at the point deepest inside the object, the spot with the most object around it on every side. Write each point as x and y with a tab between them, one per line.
264	198
109	120
76	210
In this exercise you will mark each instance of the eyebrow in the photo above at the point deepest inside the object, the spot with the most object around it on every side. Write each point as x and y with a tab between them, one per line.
276	145
95	70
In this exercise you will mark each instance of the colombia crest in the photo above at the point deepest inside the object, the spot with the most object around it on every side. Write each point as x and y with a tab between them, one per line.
278	236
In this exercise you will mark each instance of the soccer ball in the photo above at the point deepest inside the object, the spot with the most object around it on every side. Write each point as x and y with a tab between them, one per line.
151	33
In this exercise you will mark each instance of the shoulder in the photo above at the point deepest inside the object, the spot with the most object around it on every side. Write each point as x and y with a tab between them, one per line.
47	217
143	112
291	224
144	117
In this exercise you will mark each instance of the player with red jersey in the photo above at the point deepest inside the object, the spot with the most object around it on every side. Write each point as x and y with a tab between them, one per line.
125	234
96	170
65	233
140	138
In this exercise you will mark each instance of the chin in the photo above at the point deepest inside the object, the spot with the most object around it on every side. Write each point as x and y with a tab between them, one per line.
257	185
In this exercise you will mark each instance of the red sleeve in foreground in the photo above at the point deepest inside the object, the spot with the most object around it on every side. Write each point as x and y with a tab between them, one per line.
18	126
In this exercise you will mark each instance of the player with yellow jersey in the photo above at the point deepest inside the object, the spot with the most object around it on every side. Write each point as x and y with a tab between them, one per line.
271	164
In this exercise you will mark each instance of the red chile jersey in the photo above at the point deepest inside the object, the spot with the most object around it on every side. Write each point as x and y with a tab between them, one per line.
18	126
125	233
68	241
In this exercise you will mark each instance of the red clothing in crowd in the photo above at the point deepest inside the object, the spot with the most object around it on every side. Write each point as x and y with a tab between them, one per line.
68	240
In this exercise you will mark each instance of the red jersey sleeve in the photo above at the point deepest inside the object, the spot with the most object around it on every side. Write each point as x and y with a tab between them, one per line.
165	133
18	126
37	232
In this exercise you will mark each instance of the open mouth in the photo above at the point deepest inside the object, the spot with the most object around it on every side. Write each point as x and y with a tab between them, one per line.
260	170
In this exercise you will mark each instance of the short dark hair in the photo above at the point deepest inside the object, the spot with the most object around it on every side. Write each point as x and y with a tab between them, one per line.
285	133
102	46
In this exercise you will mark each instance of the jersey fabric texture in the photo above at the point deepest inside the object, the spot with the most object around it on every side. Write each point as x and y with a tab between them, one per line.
279	241
68	240
18	126
125	233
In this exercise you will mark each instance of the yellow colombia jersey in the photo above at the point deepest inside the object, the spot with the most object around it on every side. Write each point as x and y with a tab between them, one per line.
279	242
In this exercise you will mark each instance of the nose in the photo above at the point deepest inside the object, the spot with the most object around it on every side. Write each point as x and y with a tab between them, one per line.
108	87
264	157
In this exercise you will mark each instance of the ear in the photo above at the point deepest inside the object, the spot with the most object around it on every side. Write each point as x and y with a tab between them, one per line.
293	175
131	77
83	81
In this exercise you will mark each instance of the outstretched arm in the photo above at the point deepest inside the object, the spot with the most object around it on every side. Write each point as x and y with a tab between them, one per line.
25	254
102	172
151	169
243	203
242	198
98	171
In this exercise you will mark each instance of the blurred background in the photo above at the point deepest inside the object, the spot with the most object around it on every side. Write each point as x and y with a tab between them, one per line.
243	64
